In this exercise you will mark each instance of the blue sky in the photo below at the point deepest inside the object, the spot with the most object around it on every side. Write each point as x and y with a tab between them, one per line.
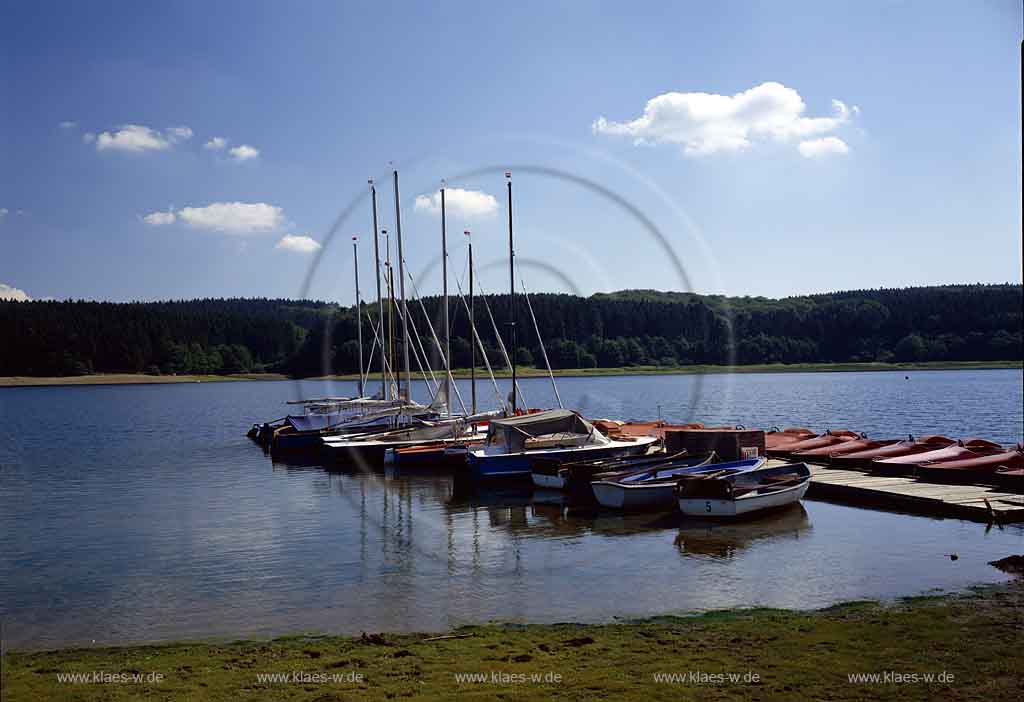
756	178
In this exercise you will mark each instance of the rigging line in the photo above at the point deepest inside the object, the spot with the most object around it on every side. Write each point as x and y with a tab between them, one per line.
387	367
437	343
373	347
378	340
501	344
483	351
381	273
423	351
419	340
421	357
451	380
465	265
543	351
419	365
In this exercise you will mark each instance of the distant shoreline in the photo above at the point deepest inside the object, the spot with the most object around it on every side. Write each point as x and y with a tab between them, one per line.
143	379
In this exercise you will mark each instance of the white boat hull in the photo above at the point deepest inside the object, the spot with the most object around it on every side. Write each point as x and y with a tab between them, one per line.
700	507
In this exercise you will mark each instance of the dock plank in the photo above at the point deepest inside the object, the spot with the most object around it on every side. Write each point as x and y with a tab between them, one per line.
973	502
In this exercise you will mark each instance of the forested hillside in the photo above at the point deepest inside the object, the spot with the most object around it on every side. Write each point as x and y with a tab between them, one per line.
948	323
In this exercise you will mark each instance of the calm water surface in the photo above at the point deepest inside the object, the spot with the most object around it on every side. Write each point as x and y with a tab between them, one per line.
142	513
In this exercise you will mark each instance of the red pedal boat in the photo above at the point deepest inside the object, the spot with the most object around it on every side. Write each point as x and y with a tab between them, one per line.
826	453
973	469
775	438
907	465
1010	479
862	459
829	438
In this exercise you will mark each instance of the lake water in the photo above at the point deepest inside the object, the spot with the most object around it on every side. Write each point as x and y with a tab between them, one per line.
142	513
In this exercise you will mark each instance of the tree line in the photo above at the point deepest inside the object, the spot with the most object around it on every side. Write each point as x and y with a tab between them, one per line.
607	330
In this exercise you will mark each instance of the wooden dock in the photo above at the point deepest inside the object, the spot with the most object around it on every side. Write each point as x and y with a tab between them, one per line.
973	502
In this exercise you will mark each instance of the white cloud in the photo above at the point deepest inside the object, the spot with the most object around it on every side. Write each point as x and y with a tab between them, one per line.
3	212
89	137
176	134
68	125
815	148
244	152
234	217
159	218
8	292
132	137
705	123
136	137
216	144
299	243
459	202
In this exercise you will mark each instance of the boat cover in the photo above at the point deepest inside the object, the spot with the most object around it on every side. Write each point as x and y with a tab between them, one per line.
513	432
319	421
316	422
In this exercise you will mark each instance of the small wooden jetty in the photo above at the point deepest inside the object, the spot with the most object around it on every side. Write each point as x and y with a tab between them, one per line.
973	502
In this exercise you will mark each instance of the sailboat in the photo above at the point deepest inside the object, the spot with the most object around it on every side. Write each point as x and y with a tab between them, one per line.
513	443
444	426
337	418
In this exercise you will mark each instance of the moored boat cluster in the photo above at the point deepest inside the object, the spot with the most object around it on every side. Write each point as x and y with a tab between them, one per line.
612	464
698	470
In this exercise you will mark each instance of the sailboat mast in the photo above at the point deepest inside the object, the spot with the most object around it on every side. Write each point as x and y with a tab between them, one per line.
401	290
472	328
391	303
359	312
444	293
511	293
380	299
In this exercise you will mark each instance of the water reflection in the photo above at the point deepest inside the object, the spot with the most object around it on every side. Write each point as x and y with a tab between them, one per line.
722	540
176	526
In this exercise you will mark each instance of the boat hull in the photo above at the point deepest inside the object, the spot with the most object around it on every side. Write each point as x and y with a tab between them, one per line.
909	465
826	453
778	439
968	470
697	507
858	460
484	466
441	454
634	498
826	440
549	482
638	493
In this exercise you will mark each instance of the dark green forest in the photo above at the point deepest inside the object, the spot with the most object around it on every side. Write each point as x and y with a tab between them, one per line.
629	328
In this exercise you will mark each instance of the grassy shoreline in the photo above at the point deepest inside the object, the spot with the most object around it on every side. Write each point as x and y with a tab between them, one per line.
523	372
976	638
